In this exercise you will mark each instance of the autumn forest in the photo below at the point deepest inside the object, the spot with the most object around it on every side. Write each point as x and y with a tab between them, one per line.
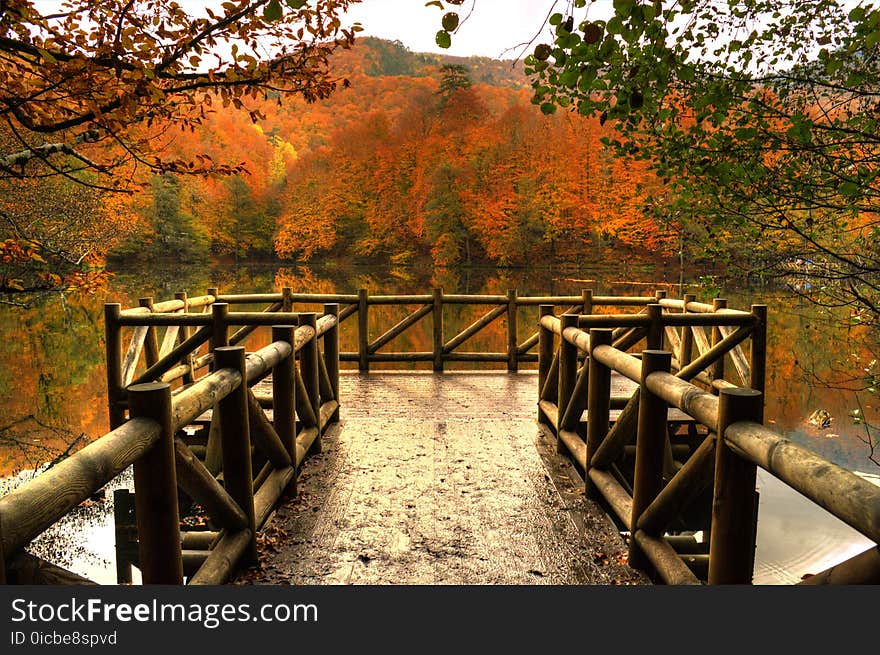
420	156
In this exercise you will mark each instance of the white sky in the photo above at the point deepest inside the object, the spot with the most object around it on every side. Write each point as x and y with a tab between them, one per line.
494	26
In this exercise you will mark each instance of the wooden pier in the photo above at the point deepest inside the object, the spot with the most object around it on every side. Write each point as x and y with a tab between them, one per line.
652	405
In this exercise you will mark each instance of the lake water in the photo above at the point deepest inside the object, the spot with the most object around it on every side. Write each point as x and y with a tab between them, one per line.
53	371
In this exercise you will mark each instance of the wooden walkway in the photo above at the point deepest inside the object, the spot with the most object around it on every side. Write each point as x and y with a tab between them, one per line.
438	479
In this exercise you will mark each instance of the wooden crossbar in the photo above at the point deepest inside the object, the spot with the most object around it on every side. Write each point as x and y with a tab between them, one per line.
473	329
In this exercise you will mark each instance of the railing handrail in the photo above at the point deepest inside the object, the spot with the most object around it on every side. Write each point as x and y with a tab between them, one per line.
33	507
845	495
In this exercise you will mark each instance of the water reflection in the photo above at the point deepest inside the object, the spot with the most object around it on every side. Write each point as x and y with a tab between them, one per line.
53	358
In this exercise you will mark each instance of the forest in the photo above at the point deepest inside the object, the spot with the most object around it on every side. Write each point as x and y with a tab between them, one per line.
420	156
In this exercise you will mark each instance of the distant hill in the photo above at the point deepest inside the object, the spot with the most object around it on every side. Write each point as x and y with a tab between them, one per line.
379	57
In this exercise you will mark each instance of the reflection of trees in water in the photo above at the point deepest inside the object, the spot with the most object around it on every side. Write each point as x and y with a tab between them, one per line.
29	443
52	379
816	360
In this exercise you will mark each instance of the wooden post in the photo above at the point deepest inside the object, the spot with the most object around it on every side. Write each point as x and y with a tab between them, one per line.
587	301
220	334
113	341
310	373
155	488
568	362
512	357
219	339
238	476
151	341
732	542
655	330
687	335
650	446
438	330
545	355
286	299
598	401
331	357
716	370
283	390
123	518
363	331
660	294
758	352
186	333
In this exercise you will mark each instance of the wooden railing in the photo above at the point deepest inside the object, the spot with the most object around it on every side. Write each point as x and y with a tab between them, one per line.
256	458
664	485
445	348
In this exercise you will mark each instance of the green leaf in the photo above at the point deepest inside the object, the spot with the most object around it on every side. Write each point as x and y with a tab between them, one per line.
548	108
614	26
272	12
849	189
623	7
570	78
296	4
555	19
443	39
45	55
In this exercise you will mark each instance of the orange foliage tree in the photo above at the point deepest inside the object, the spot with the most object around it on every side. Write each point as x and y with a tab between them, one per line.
461	172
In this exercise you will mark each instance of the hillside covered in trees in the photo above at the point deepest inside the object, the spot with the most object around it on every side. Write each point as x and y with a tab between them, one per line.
416	156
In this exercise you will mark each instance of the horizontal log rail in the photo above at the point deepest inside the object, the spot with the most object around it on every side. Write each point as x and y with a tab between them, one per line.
712	488
150	424
176	317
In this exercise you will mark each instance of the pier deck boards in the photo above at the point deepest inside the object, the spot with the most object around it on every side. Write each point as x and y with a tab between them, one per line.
436	479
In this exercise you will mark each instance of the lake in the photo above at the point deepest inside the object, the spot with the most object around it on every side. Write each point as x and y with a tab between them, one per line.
53	384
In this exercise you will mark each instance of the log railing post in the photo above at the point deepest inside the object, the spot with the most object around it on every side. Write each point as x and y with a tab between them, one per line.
650	447
732	541
687	335
758	353
123	516
655	329
716	370
219	339
331	357
568	361
235	433
184	334
286	299
363	330
151	341
113	344
545	356
155	487
283	390
438	330
512	357
598	400
220	326
586	301
310	370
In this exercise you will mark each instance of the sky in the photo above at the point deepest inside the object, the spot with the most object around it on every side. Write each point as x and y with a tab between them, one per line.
494	29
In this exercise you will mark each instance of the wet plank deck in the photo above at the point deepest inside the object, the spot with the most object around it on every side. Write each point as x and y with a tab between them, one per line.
438	479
